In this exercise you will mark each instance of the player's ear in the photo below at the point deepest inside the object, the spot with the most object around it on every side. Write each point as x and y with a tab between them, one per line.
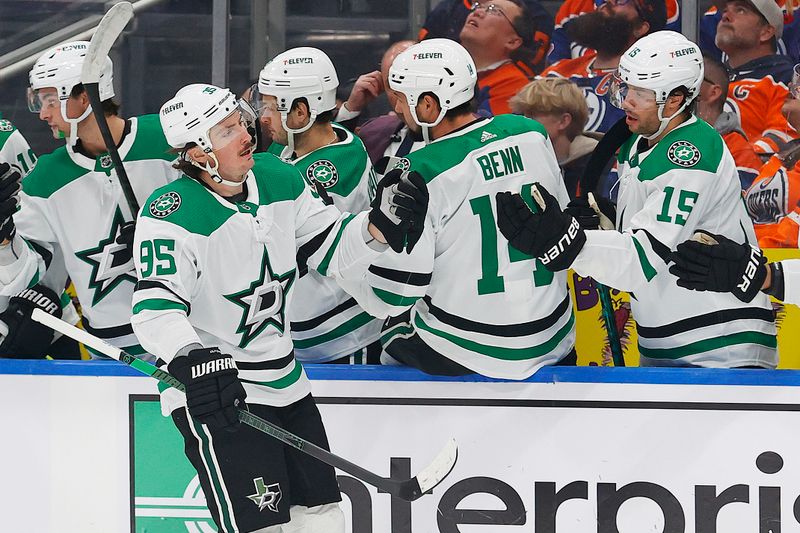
197	156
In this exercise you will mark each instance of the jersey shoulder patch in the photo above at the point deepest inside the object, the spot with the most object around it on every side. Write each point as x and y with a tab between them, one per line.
187	204
52	172
696	146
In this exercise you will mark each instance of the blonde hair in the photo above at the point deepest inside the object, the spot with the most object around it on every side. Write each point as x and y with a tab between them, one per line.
553	96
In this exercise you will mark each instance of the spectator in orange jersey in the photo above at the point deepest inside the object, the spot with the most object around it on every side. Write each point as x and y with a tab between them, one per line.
448	17
491	35
565	48
748	33
710	107
773	201
608	31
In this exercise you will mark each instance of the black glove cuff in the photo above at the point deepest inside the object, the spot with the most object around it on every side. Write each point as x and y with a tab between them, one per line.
776	286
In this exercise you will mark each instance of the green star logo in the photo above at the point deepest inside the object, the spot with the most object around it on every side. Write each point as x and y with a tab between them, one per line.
263	303
266	496
111	263
324	172
683	153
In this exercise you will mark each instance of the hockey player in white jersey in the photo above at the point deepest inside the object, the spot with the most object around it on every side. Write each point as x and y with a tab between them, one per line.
298	97
14	149
217	254
676	176
463	301
73	218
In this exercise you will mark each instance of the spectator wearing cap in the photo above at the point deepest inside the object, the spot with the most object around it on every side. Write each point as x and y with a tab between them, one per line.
748	32
609	30
447	19
710	107
492	36
560	107
565	48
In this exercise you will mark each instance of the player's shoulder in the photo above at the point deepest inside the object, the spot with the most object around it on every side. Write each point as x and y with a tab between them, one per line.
694	147
444	154
186	203
7	129
149	141
52	172
339	166
277	180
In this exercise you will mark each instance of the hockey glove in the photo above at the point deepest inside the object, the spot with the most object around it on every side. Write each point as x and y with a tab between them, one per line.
26	338
588	217
10	177
213	389
726	266
125	238
553	236
399	208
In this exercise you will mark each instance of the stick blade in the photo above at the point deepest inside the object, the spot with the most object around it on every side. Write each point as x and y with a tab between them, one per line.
107	32
439	469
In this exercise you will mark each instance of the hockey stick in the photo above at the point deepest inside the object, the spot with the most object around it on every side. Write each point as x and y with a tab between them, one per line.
109	29
406	489
602	154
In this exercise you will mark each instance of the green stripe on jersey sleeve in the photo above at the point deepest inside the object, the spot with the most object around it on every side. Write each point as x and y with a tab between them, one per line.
159	304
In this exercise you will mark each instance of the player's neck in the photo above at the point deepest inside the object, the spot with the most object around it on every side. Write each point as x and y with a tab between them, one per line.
561	145
674	123
226	191
449	125
92	139
316	137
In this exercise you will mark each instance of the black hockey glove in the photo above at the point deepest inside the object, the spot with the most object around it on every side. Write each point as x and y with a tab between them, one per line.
585	214
722	267
213	389
399	208
125	238
10	178
553	236
26	338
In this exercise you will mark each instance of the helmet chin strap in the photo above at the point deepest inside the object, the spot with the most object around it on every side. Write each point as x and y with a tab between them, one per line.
73	122
426	126
212	171
290	132
664	121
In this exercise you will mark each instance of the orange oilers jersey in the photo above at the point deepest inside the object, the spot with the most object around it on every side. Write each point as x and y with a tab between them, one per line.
756	93
747	161
497	86
773	202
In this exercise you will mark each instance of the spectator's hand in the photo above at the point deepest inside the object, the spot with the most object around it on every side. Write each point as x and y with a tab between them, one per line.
367	87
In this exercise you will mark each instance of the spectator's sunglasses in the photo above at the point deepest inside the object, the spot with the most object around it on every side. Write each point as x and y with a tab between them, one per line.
495	10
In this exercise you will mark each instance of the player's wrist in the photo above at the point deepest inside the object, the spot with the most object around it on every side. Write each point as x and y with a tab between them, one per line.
774	282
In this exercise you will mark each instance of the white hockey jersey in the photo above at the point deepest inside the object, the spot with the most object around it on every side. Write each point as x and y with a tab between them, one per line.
686	182
14	149
327	322
222	274
71	210
473	297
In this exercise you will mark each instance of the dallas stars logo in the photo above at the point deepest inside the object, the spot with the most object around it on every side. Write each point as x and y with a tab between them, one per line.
266	496
111	263
263	303
324	172
683	153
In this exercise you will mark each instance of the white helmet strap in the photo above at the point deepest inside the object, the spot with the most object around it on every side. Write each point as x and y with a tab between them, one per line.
290	132
212	170
426	125
665	120
73	122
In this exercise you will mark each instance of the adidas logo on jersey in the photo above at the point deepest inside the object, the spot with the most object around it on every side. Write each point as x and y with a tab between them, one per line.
485	136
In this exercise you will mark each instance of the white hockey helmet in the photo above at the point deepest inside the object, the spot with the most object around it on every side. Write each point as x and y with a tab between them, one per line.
439	66
303	72
60	68
191	115
661	62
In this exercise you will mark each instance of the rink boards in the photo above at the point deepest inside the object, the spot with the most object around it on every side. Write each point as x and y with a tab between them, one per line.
574	450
